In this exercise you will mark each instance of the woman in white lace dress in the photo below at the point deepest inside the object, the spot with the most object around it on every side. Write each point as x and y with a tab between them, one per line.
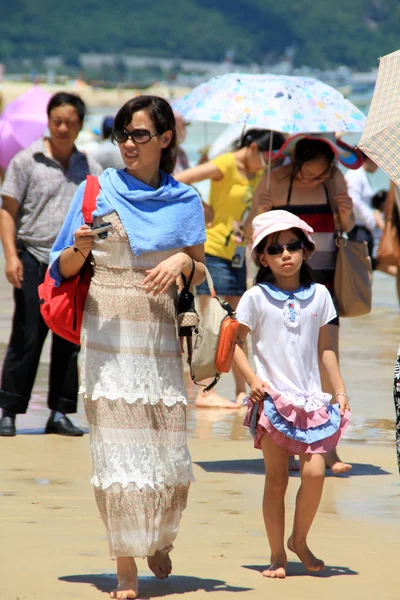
131	366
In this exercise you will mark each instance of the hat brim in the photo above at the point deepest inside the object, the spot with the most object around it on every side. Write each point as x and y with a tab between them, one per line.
349	157
274	229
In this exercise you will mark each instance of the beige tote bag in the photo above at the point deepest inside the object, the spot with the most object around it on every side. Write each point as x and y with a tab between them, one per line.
352	283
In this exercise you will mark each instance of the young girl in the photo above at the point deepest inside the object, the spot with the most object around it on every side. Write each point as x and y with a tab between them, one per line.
288	413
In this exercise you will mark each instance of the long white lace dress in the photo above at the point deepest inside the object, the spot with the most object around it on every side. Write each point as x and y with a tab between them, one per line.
135	400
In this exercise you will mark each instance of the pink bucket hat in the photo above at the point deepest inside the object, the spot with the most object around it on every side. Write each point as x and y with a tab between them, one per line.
273	221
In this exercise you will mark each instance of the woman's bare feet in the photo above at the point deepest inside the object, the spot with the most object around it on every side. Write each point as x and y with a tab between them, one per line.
334	463
340	467
128	584
310	562
277	568
160	563
240	396
213	400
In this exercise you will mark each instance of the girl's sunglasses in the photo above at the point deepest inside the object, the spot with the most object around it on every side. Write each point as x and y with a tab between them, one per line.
139	136
276	249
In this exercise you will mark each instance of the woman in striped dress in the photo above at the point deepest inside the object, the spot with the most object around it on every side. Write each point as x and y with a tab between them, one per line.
131	366
307	187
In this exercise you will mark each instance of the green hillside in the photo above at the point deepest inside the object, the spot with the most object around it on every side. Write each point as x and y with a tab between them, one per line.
324	33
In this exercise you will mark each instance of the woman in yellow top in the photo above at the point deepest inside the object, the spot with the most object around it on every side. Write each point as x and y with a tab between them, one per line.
234	177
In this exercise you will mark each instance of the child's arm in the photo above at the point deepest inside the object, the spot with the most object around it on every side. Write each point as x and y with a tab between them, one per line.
257	387
328	358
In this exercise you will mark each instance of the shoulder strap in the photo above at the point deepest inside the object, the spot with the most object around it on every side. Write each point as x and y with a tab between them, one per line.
92	190
289	194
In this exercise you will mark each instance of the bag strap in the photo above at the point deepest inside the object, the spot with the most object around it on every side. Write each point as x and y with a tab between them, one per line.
92	190
189	281
330	189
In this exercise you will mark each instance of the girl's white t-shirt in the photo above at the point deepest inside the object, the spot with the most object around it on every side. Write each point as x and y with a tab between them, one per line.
286	357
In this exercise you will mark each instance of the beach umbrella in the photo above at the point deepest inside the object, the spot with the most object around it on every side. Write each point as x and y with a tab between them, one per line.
22	122
290	104
381	137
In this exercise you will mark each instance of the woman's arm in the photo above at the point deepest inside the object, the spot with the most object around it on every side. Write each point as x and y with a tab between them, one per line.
343	202
199	173
328	358
261	202
72	259
159	279
258	388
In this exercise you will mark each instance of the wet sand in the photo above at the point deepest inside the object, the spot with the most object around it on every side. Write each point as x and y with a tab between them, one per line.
53	542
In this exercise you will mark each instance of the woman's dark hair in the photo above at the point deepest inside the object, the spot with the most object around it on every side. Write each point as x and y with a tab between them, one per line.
63	98
265	273
312	149
163	118
262	138
378	200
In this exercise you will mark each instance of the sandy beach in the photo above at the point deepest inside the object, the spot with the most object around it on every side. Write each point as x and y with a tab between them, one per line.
53	543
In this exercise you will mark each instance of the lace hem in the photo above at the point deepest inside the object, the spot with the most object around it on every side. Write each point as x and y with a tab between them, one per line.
115	479
133	398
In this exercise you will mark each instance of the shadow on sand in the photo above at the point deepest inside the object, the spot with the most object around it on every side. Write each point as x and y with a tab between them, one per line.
40	431
151	587
296	569
256	466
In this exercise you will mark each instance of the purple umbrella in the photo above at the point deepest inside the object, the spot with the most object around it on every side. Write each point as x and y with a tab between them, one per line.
22	122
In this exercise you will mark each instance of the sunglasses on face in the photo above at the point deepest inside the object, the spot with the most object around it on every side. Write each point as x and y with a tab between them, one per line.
139	136
276	249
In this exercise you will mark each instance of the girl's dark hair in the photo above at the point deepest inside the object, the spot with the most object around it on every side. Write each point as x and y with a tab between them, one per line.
265	273
312	149
63	98
262	138
163	118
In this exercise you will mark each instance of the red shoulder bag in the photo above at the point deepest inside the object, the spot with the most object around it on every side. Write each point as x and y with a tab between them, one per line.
62	307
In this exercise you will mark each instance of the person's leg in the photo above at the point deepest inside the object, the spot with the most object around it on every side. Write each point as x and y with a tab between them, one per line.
312	470
63	377
128	583
332	459
63	387
26	342
276	480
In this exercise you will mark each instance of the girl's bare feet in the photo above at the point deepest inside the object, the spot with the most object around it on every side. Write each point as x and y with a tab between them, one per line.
128	584
310	562
293	466
277	568
160	563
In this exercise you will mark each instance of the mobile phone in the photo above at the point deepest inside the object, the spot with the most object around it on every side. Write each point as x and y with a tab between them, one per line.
101	230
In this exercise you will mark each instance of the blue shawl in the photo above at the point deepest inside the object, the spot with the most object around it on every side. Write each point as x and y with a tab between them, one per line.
168	217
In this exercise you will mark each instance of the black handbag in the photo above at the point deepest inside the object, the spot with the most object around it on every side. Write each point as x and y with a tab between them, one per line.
187	315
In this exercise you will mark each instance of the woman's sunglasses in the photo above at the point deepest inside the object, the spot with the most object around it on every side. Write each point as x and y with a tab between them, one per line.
276	249
139	136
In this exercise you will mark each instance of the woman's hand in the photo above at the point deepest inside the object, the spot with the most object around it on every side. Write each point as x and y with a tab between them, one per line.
83	241
263	200
159	279
258	389
345	209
